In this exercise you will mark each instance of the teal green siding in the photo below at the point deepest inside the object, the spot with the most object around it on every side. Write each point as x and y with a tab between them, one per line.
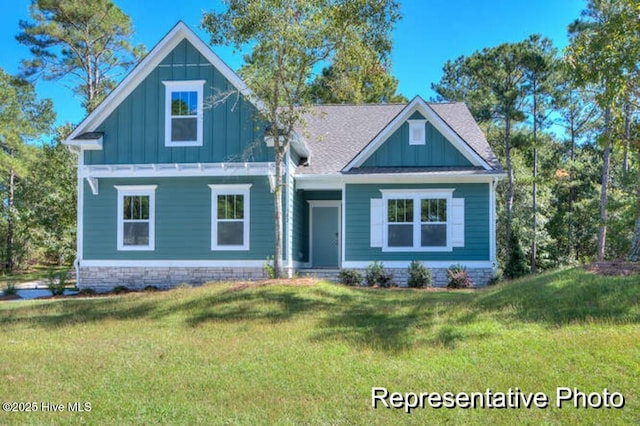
396	151
301	220
134	131
476	234
182	221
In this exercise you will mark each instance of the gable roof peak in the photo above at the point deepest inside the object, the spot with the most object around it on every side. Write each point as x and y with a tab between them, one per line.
177	34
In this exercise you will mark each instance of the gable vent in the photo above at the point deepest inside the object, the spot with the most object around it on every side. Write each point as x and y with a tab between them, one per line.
417	130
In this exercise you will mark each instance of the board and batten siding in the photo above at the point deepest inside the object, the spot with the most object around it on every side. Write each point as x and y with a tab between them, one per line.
476	228
134	131
397	152
182	220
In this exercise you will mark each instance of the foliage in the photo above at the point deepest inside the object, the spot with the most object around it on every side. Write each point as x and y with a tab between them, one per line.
516	263
376	275
419	275
10	289
49	202
350	277
23	118
87	41
151	288
269	269
290	42
458	277
57	282
120	289
87	292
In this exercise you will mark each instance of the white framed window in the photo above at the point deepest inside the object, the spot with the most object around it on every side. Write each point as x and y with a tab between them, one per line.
416	220
417	132
136	217
183	113
230	217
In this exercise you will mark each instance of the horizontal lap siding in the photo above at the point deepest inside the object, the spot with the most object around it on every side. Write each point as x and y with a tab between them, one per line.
358	219
134	131
182	221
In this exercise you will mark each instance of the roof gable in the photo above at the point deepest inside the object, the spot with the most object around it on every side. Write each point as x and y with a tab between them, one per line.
418	105
154	58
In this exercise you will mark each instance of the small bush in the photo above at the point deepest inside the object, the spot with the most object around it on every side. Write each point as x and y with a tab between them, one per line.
376	275
350	277
458	277
120	289
151	288
57	282
10	289
419	275
269	268
87	292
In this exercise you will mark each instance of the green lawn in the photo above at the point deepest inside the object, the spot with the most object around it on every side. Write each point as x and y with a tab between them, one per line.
310	354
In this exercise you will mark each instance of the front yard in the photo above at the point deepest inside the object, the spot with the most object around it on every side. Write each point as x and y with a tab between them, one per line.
312	352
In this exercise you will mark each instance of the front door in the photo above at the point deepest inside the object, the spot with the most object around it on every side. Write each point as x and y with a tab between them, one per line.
325	235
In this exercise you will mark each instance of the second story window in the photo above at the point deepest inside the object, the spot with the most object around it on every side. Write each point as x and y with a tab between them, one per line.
183	113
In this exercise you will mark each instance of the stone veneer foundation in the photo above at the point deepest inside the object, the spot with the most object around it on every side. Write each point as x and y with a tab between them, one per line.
103	279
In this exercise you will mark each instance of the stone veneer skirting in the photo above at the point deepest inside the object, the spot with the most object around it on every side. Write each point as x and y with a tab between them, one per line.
479	276
104	278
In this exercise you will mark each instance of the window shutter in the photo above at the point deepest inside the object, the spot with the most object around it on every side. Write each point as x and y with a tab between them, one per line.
376	222
457	222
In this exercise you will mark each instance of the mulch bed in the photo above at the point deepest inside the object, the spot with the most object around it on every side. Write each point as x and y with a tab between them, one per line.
619	268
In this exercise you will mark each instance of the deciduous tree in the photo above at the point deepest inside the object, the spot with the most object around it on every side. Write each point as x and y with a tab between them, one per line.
290	41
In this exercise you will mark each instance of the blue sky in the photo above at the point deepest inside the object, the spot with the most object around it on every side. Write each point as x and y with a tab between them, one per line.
430	33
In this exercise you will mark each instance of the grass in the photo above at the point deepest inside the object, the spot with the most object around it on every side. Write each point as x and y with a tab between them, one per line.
290	354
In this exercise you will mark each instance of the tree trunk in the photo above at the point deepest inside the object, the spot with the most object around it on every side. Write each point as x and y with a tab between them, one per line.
511	190
634	252
627	136
534	189
602	234
8	263
277	200
573	253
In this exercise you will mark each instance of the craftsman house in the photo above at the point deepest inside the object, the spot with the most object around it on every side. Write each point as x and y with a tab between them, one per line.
173	190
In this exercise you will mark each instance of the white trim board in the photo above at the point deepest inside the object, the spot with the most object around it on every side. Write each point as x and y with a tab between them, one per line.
427	263
176	170
318	182
418	105
172	263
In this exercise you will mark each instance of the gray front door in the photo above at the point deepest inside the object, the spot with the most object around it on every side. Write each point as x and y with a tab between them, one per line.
325	237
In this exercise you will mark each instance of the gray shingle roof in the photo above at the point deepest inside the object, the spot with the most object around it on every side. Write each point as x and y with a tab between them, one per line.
337	133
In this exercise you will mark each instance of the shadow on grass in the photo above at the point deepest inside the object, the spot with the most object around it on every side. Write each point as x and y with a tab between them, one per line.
385	320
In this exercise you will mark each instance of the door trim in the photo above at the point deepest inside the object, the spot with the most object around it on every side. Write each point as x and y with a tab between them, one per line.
325	203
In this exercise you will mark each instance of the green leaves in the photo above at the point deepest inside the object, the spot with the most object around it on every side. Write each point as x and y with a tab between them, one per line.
86	41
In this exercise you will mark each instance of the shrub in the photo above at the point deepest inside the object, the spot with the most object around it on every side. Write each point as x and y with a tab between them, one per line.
376	275
419	275
516	260
458	277
10	289
269	269
151	288
120	289
350	277
87	292
57	282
